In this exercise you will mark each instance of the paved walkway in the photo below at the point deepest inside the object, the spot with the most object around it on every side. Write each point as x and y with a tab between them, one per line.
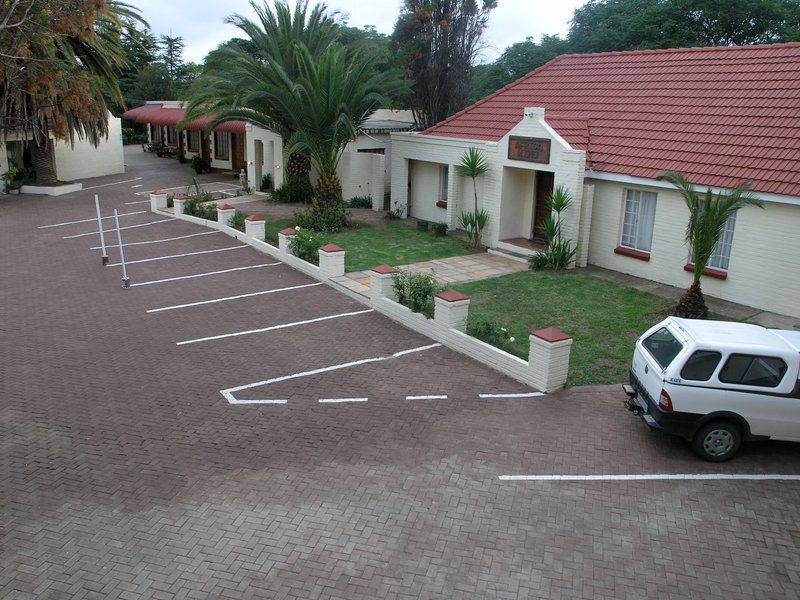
456	269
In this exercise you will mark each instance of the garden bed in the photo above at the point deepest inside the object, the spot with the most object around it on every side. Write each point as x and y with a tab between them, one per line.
604	318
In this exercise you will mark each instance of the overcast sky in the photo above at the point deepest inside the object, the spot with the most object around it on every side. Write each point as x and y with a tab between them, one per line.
200	22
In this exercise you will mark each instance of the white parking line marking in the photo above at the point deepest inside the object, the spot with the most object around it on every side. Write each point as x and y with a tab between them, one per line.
274	327
235	401
94	220
275	264
172	239
184	188
228	393
439	397
137	186
157	258
139	202
108	184
70	237
654	477
250	295
338	400
521	395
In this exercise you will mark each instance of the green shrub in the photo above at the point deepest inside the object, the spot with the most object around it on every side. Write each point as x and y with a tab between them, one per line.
266	182
440	229
201	165
560	251
171	201
196	208
330	220
360	202
306	244
396	213
237	220
490	332
294	189
417	291
474	224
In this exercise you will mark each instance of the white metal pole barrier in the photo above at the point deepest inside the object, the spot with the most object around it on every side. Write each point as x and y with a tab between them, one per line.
100	227
126	282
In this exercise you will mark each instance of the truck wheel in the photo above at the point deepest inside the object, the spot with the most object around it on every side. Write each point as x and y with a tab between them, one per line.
718	441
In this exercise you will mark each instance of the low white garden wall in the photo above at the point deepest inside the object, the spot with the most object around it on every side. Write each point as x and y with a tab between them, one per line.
548	360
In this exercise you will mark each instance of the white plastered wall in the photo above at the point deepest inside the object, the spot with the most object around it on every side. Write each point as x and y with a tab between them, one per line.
763	269
272	160
219	163
362	174
84	160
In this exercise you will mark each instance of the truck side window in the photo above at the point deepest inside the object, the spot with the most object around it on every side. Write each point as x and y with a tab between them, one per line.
663	347
701	365
762	371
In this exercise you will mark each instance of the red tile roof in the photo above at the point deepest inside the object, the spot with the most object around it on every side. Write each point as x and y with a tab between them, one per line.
159	115
720	115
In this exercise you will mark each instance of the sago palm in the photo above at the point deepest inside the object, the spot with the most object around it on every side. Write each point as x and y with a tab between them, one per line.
708	214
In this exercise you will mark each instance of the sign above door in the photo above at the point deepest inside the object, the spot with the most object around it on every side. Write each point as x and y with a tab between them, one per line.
536	150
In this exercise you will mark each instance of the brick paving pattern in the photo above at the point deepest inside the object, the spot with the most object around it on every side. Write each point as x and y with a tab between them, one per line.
125	474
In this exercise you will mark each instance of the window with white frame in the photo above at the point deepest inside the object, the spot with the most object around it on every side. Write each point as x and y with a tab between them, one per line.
721	257
443	182
193	141
221	145
638	220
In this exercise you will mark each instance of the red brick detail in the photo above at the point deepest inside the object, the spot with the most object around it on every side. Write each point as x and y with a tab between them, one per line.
442	203
180	197
288	231
385	269
331	248
551	334
255	218
637	254
708	272
225	207
452	296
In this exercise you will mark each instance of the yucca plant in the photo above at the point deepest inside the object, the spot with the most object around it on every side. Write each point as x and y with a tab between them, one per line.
708	213
473	164
560	252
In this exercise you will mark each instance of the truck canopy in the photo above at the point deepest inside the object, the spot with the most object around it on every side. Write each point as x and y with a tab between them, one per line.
739	337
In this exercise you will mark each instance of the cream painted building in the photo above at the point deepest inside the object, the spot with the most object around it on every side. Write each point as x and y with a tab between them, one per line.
77	161
605	126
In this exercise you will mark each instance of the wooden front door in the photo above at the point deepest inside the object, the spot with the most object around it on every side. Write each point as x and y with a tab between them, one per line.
237	152
541	206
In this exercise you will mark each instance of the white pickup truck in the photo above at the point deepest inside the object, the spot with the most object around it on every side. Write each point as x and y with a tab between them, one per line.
716	383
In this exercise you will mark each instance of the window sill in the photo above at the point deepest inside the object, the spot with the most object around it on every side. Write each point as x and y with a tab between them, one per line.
708	272
441	203
637	254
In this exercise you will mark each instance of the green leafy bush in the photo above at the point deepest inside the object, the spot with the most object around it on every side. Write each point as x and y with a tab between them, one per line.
201	165
396	213
487	330
440	229
266	182
360	202
306	245
196	208
237	220
329	220
417	291
474	223
293	190
131	136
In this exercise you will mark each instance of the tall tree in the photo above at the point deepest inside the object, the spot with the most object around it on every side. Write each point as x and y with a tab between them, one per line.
243	80
171	53
708	214
437	41
58	72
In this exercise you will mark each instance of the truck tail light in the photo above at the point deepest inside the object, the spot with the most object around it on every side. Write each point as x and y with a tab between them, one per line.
665	402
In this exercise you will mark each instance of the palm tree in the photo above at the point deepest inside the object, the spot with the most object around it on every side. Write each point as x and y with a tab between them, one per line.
243	81
708	214
331	99
65	78
473	165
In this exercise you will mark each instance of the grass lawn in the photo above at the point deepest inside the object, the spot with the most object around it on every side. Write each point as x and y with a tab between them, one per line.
604	318
394	244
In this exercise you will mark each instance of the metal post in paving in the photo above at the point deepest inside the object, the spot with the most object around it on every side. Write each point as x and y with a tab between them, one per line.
100	227
126	282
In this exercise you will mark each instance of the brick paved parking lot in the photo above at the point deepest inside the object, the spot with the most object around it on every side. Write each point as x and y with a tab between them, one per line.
125	473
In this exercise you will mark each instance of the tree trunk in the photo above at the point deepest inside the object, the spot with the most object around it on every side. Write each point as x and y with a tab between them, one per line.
43	157
329	191
692	304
